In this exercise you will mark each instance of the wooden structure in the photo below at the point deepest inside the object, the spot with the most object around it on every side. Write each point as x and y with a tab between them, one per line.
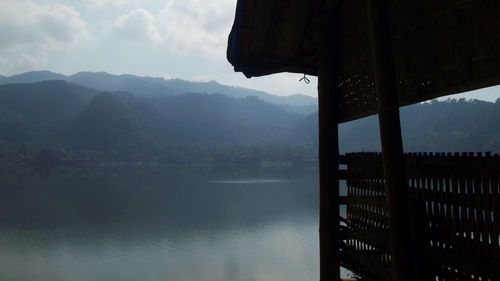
371	56
457	199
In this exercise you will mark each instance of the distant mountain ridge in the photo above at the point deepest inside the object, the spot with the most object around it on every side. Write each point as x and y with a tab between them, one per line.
436	126
34	112
91	124
32	77
150	86
85	123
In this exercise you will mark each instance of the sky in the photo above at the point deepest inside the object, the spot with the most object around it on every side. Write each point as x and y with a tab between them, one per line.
183	39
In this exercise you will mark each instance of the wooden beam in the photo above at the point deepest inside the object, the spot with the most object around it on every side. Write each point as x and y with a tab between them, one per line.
329	213
396	188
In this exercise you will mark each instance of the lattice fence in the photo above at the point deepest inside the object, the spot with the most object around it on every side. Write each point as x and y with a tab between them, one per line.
455	200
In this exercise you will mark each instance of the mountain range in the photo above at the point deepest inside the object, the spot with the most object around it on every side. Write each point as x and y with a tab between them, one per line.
57	119
122	126
150	86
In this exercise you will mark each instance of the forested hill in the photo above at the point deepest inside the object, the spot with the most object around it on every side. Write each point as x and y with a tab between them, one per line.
57	119
436	126
84	123
150	87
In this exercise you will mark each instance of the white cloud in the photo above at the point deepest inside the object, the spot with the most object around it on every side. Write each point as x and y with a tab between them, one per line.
108	3
30	31
138	26
33	61
3	64
197	25
186	27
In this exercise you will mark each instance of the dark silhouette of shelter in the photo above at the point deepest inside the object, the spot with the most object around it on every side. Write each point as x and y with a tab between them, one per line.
371	57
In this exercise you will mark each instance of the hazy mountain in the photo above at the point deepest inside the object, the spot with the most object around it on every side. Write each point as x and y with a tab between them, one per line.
2	77
14	129
446	126
32	77
300	109
35	112
44	103
107	123
214	87
122	126
119	125
141	86
454	125
191	120
149	86
305	130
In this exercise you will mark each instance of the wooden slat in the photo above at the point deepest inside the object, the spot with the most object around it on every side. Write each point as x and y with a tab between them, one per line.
457	200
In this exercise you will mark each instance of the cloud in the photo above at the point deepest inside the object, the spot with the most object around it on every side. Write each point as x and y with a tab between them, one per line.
31	30
108	3
3	64
138	25
195	25
36	61
186	27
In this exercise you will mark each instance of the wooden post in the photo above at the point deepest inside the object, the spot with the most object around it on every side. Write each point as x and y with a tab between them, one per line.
329	213
396	187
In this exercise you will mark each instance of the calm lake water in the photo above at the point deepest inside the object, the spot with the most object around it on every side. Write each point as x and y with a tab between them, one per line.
159	223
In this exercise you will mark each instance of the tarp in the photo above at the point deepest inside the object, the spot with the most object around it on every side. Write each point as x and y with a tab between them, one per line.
440	47
274	36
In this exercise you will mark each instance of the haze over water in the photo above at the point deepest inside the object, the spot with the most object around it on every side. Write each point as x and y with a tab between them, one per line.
159	223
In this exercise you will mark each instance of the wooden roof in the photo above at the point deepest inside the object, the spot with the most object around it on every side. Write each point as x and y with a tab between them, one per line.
440	47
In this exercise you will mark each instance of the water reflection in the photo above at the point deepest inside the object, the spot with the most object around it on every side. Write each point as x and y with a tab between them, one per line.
159	223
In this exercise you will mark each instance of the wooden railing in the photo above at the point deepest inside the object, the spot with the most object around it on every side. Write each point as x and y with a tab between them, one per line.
455	203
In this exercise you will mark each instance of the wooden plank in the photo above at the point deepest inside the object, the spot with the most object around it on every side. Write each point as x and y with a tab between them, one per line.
447	196
328	104
458	206
495	202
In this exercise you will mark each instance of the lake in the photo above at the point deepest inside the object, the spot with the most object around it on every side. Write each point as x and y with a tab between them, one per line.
159	223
